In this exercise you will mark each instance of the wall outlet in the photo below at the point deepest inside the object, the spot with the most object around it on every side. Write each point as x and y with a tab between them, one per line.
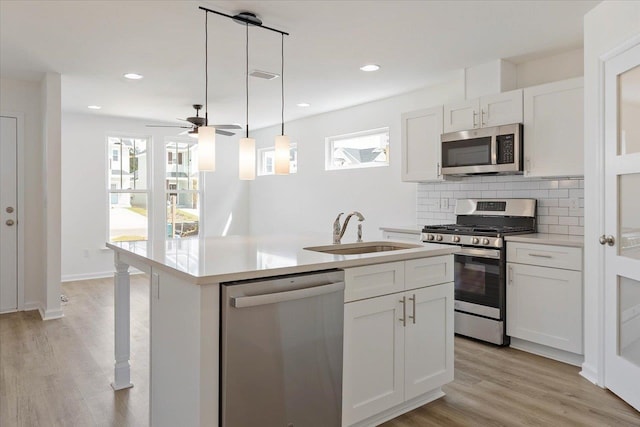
444	203
573	203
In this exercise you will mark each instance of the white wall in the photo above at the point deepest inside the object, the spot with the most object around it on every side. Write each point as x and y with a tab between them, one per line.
310	199
84	190
25	97
561	66
605	27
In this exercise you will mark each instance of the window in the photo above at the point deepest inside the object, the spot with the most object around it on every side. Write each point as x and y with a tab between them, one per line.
128	192
358	150
266	158
182	187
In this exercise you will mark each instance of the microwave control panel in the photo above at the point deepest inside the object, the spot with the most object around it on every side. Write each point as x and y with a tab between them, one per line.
505	145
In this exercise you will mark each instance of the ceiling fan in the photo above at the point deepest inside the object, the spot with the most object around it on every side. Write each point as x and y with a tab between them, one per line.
196	122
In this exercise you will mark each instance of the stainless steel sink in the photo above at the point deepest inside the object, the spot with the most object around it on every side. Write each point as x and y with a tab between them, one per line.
362	248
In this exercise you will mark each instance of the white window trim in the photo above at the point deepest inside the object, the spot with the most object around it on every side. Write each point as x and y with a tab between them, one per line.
328	159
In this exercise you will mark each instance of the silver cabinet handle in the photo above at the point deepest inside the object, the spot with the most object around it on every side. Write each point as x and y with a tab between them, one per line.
10	222
439	169
510	274
404	311
475	114
9	209
540	255
607	240
252	301
413	299
482	117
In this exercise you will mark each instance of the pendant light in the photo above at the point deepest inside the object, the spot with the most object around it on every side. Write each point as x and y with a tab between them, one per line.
247	153
206	133
282	141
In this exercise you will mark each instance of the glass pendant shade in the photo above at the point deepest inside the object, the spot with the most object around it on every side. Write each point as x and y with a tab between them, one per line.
206	148
247	159
282	155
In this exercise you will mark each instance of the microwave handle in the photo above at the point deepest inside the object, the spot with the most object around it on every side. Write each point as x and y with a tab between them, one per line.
494	150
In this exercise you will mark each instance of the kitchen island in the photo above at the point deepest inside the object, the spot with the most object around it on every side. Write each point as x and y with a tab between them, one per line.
186	274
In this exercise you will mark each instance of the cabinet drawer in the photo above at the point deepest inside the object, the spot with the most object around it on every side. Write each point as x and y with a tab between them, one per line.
568	258
373	280
428	271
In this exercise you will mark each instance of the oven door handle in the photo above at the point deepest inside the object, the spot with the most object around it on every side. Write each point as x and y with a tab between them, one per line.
481	253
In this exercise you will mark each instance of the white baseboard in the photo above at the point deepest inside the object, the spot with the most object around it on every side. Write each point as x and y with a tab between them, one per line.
546	351
398	410
98	275
589	374
51	314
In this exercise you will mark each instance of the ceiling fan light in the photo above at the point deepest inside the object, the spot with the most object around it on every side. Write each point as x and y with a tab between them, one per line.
282	155
247	159
206	148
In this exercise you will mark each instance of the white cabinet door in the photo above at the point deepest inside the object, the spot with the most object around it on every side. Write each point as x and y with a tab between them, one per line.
501	109
428	339
373	375
544	305
421	132
553	129
462	115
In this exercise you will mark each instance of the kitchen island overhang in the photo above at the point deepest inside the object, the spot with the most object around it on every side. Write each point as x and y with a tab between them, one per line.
185	275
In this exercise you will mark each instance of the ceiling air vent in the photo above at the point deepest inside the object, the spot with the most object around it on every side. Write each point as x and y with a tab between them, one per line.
263	75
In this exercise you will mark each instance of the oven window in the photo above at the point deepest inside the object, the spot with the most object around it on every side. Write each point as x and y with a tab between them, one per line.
477	280
468	152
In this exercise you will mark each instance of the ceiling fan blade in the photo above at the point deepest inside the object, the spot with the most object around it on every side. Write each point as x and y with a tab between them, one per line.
168	126
227	126
224	132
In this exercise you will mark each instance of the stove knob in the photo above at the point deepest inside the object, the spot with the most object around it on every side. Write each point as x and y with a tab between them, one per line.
456	239
439	238
485	241
475	240
430	237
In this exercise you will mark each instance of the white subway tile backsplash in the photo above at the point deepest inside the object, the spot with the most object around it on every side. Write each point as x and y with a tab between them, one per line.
554	213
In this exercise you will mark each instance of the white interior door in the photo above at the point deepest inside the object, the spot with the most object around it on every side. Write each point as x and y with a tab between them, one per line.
8	215
622	225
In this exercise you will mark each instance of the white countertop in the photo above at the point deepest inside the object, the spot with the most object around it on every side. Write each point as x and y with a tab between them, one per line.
548	239
412	229
223	259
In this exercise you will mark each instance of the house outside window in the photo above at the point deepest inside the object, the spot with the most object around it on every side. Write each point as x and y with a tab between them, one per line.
128	190
266	160
182	189
357	150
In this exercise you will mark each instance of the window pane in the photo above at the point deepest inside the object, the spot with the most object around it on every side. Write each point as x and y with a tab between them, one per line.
363	149
182	166
629	307
183	214
629	111
629	212
127	163
128	217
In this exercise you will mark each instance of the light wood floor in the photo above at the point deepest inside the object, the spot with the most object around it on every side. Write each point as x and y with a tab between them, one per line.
57	373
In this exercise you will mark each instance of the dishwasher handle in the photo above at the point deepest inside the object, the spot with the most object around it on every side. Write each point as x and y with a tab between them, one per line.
252	301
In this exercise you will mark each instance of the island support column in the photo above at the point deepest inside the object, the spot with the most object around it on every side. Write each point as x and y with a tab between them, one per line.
122	309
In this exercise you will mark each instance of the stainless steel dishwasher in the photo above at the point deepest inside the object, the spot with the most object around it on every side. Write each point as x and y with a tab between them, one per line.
281	362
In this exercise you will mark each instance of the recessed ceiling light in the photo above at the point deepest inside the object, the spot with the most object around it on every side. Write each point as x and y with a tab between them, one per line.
370	67
303	104
133	76
94	107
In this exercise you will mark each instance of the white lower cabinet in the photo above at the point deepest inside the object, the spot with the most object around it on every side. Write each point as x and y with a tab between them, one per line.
544	303
397	348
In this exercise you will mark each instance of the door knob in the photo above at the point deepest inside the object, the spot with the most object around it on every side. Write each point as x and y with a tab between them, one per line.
608	240
10	222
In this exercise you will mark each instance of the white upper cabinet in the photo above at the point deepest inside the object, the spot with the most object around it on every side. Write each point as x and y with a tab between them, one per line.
421	132
553	129
490	110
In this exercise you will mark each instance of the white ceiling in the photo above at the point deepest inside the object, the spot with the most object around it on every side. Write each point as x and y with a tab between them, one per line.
417	43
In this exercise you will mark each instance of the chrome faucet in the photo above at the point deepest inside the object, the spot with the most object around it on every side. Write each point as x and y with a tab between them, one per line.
339	232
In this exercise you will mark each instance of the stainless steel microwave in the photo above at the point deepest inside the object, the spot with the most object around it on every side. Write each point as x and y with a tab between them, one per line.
491	151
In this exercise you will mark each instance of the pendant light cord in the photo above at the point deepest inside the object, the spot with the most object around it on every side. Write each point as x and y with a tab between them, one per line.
282	77
206	70
247	78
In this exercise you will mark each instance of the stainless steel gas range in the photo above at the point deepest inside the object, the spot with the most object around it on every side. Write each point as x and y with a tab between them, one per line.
480	266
